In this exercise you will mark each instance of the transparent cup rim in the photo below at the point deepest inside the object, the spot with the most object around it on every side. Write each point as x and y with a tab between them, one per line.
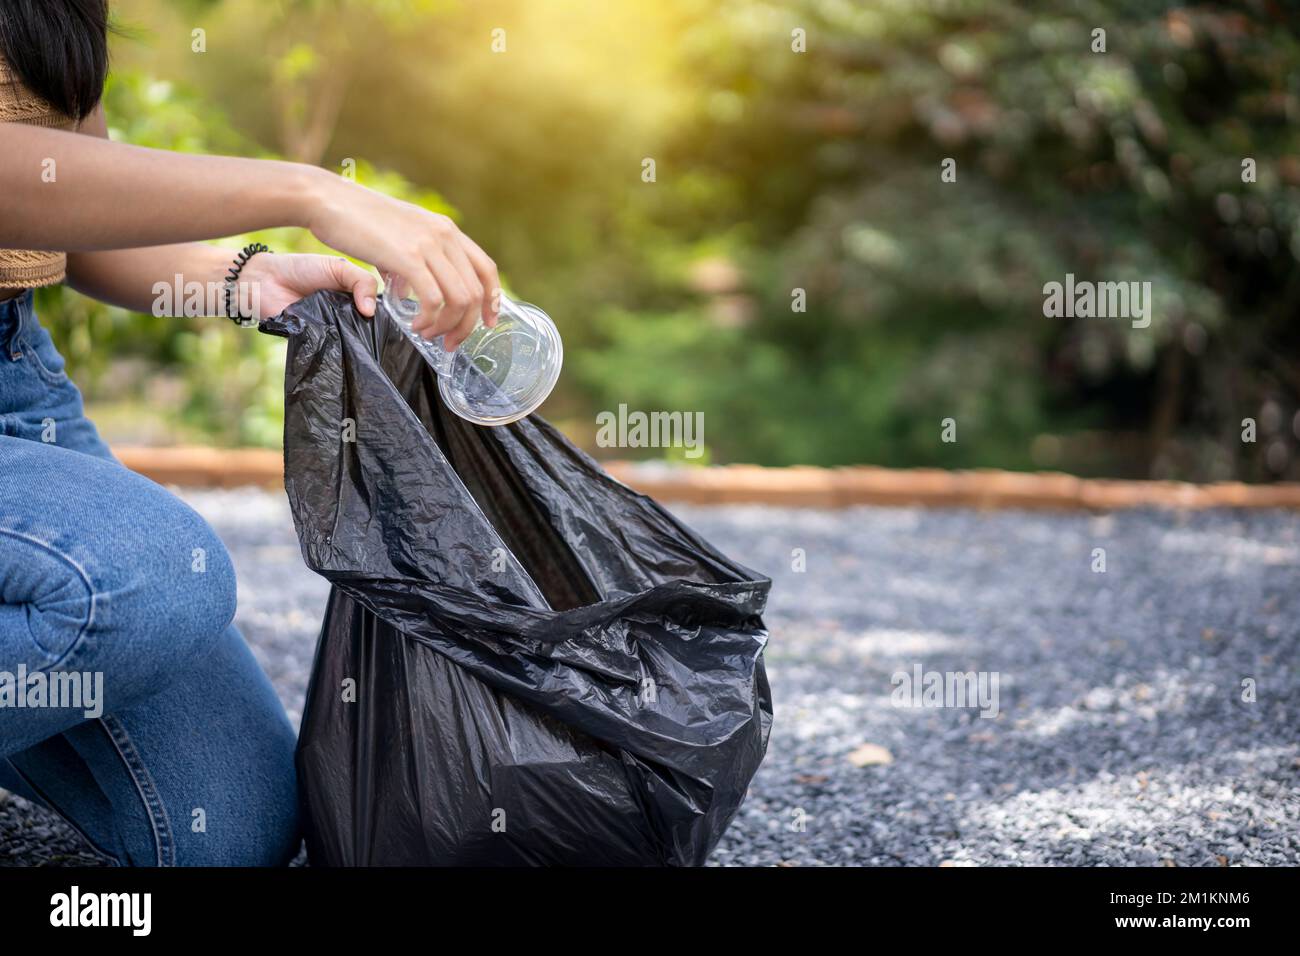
541	390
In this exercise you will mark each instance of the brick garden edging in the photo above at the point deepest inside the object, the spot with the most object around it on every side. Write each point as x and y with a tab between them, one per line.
201	467
797	486
841	487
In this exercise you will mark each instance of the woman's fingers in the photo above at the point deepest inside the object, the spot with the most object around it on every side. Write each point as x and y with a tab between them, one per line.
473	305
349	277
454	280
451	298
433	303
460	301
486	270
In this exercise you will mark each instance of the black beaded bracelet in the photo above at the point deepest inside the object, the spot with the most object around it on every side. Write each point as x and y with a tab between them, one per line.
232	278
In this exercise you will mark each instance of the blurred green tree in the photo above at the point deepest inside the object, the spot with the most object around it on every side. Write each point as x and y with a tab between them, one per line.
800	149
925	297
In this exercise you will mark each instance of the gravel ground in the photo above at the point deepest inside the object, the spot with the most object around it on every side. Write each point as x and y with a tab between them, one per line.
1121	734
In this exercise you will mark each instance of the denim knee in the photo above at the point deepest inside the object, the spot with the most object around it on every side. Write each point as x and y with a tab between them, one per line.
204	603
162	591
183	594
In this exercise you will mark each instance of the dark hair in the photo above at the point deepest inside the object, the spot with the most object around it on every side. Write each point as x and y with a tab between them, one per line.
59	49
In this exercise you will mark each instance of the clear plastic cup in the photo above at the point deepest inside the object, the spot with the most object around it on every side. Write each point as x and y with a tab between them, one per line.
497	375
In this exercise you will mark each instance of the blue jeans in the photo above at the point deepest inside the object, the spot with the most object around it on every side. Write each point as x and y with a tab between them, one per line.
184	756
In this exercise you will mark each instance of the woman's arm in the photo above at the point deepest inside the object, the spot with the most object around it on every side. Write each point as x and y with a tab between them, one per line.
67	192
130	277
78	193
186	279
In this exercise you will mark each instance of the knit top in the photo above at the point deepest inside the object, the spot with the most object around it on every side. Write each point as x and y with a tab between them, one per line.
21	269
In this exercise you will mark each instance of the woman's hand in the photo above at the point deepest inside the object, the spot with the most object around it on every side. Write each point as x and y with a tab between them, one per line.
280	280
453	278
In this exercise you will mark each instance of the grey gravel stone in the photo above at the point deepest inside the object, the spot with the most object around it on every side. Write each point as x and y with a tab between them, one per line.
1124	733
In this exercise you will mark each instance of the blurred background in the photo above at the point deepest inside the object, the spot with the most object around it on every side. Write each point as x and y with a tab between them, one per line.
776	171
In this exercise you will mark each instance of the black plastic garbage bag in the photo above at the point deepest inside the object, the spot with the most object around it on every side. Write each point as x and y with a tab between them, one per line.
523	661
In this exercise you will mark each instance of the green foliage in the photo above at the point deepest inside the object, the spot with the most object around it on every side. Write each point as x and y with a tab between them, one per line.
1122	165
817	171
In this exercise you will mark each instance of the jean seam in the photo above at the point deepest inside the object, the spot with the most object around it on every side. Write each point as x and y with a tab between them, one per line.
49	376
153	805
77	643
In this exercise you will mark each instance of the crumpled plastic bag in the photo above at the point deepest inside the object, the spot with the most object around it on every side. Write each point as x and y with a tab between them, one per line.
523	661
